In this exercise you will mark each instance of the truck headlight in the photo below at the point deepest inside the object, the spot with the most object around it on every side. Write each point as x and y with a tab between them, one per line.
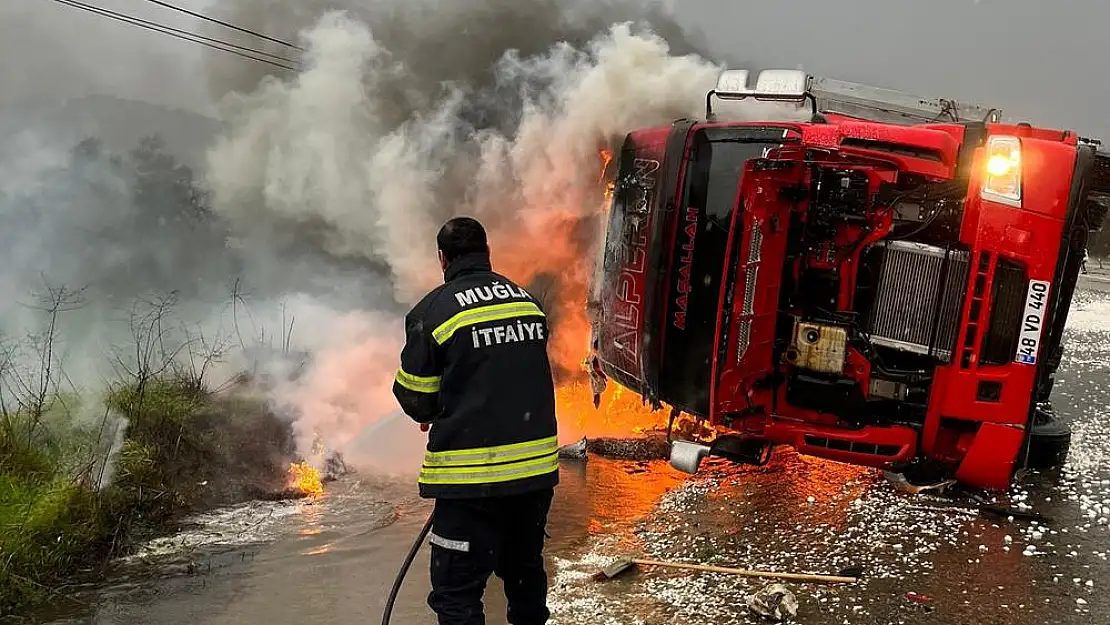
1002	179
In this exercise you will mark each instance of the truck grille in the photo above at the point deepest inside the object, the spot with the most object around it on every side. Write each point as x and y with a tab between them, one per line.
751	272
1007	307
918	298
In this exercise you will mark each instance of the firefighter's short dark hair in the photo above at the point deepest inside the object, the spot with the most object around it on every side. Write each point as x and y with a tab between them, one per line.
460	236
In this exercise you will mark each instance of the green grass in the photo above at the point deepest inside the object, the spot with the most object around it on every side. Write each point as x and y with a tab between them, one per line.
46	527
52	520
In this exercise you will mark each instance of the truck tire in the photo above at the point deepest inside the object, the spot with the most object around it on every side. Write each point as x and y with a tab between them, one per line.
1048	442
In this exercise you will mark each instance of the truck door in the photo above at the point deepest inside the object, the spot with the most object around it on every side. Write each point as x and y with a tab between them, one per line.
704	219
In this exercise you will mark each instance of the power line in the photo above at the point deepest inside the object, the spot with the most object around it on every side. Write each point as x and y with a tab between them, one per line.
224	24
177	33
138	21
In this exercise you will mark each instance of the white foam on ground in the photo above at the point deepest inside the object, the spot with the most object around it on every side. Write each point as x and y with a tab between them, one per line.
574	595
242	524
1090	313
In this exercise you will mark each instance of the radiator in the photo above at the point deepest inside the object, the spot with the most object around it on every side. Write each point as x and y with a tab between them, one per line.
918	298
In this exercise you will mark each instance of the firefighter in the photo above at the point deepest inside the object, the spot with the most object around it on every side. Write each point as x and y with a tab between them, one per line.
475	368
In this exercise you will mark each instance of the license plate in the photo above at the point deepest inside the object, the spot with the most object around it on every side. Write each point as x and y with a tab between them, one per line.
1036	304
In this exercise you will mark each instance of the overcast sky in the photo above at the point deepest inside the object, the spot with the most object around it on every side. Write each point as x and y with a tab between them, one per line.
50	51
1045	60
1040	60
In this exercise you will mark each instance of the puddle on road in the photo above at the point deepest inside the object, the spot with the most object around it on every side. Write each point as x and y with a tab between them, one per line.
720	518
200	568
606	497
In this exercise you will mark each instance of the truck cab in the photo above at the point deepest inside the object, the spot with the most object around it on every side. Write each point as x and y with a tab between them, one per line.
884	283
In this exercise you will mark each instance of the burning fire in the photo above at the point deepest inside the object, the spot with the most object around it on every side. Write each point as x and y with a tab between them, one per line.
305	478
606	158
621	412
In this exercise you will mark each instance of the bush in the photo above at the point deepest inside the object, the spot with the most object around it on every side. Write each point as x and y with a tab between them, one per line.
184	449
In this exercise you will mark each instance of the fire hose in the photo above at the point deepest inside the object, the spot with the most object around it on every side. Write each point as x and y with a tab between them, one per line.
408	560
405	569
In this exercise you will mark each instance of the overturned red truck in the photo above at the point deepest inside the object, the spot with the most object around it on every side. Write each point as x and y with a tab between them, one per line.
885	283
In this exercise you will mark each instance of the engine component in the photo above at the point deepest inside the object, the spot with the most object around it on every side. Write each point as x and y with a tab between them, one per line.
838	196
818	291
686	456
887	389
918	297
818	347
840	396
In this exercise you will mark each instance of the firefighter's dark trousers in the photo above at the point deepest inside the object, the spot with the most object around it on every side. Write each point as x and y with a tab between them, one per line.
472	538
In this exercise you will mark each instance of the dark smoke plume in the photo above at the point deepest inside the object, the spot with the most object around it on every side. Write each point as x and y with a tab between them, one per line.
406	113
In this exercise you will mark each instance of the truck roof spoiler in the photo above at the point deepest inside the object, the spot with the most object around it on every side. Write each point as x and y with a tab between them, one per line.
888	105
828	95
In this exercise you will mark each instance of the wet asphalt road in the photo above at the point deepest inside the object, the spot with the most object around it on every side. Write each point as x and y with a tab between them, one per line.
333	560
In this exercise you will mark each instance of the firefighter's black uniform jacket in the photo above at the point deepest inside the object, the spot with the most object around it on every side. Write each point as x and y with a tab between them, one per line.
475	366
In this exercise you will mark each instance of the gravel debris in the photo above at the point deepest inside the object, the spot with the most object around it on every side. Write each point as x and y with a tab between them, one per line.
801	514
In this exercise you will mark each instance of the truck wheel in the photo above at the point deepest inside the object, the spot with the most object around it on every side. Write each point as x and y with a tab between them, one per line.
1048	442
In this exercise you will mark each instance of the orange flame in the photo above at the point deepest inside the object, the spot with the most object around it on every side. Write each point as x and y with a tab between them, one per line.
606	158
305	478
620	413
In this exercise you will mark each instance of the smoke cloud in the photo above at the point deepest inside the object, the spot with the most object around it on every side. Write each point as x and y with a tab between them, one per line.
496	110
293	246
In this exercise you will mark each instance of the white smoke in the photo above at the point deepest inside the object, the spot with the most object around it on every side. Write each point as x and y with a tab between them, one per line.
315	150
115	430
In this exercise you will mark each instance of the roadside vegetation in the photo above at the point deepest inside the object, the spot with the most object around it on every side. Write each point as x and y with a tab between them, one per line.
85	476
89	468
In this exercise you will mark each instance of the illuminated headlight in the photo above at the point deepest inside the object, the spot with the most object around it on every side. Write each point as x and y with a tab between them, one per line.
1002	178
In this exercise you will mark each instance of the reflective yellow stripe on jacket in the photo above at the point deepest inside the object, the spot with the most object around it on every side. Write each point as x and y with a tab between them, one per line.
493	312
488	465
417	383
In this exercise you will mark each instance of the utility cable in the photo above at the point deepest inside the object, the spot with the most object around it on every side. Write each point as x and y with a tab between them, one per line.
209	42
224	24
138	21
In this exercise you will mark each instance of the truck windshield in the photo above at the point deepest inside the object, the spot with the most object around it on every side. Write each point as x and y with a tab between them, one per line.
713	174
712	180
